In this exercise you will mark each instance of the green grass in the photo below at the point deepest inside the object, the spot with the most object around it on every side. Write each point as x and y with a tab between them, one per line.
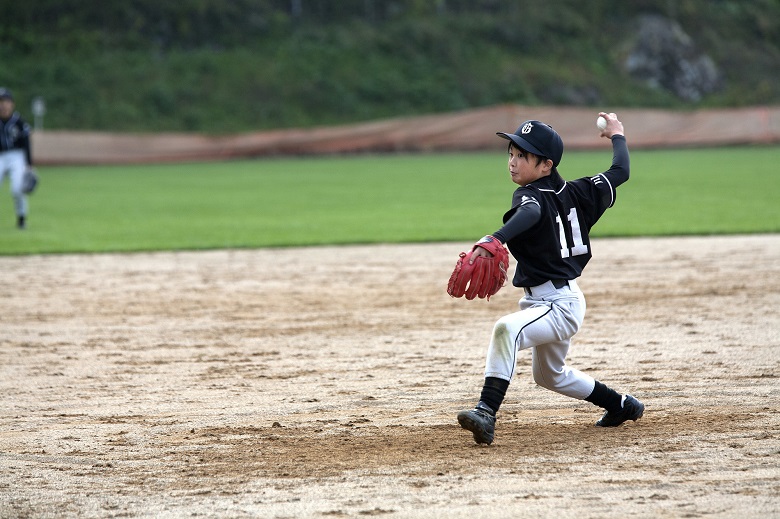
703	191
373	199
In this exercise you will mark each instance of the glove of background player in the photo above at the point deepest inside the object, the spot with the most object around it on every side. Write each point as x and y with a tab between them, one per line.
29	181
485	276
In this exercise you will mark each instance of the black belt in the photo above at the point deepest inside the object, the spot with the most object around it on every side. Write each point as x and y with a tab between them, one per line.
557	283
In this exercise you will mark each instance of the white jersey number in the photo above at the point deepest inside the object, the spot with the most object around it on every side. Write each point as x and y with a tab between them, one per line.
579	247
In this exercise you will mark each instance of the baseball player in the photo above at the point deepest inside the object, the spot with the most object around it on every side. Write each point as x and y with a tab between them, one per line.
15	157
547	231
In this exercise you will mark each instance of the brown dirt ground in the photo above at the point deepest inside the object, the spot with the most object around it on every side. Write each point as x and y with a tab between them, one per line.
324	382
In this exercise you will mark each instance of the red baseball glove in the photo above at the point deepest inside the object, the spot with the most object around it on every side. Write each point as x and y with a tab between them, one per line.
485	276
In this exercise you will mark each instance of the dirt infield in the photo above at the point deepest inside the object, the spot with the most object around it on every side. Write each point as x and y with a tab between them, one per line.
220	384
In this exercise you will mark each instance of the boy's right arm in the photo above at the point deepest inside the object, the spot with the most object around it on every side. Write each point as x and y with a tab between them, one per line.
621	165
619	171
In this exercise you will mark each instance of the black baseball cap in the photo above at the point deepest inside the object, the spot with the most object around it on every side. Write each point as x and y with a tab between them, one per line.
538	138
6	94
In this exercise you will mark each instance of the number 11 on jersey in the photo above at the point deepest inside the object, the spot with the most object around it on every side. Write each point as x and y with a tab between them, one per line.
576	235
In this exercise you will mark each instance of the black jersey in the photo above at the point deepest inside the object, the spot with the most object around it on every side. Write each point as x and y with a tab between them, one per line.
15	135
557	246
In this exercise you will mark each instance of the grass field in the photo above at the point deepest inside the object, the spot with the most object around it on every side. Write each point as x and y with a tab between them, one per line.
374	199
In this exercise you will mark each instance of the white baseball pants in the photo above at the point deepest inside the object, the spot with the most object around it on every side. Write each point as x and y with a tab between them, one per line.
546	322
14	164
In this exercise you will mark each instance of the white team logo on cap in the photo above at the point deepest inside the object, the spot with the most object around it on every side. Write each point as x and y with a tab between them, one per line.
527	127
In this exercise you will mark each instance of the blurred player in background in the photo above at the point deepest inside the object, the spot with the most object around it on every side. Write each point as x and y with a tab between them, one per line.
15	157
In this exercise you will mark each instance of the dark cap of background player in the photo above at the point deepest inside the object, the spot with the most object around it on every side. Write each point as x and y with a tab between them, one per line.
538	138
6	94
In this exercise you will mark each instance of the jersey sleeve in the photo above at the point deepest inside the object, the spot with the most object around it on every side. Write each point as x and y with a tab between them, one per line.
621	164
606	183
520	219
24	142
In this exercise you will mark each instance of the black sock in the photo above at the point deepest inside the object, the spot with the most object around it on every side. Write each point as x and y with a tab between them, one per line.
605	397
493	392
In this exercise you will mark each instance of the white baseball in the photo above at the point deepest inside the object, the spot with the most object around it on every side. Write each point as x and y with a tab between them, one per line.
601	123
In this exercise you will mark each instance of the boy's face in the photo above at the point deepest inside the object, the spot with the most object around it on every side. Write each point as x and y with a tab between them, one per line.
6	108
525	167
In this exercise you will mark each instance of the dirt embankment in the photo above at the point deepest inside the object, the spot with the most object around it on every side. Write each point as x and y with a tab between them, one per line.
468	130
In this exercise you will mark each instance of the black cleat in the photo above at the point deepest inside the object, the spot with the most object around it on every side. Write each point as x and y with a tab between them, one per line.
480	421
632	409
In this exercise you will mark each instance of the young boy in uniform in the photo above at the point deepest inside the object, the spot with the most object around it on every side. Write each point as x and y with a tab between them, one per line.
547	231
14	153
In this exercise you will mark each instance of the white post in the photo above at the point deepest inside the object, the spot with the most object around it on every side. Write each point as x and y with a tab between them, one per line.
38	110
